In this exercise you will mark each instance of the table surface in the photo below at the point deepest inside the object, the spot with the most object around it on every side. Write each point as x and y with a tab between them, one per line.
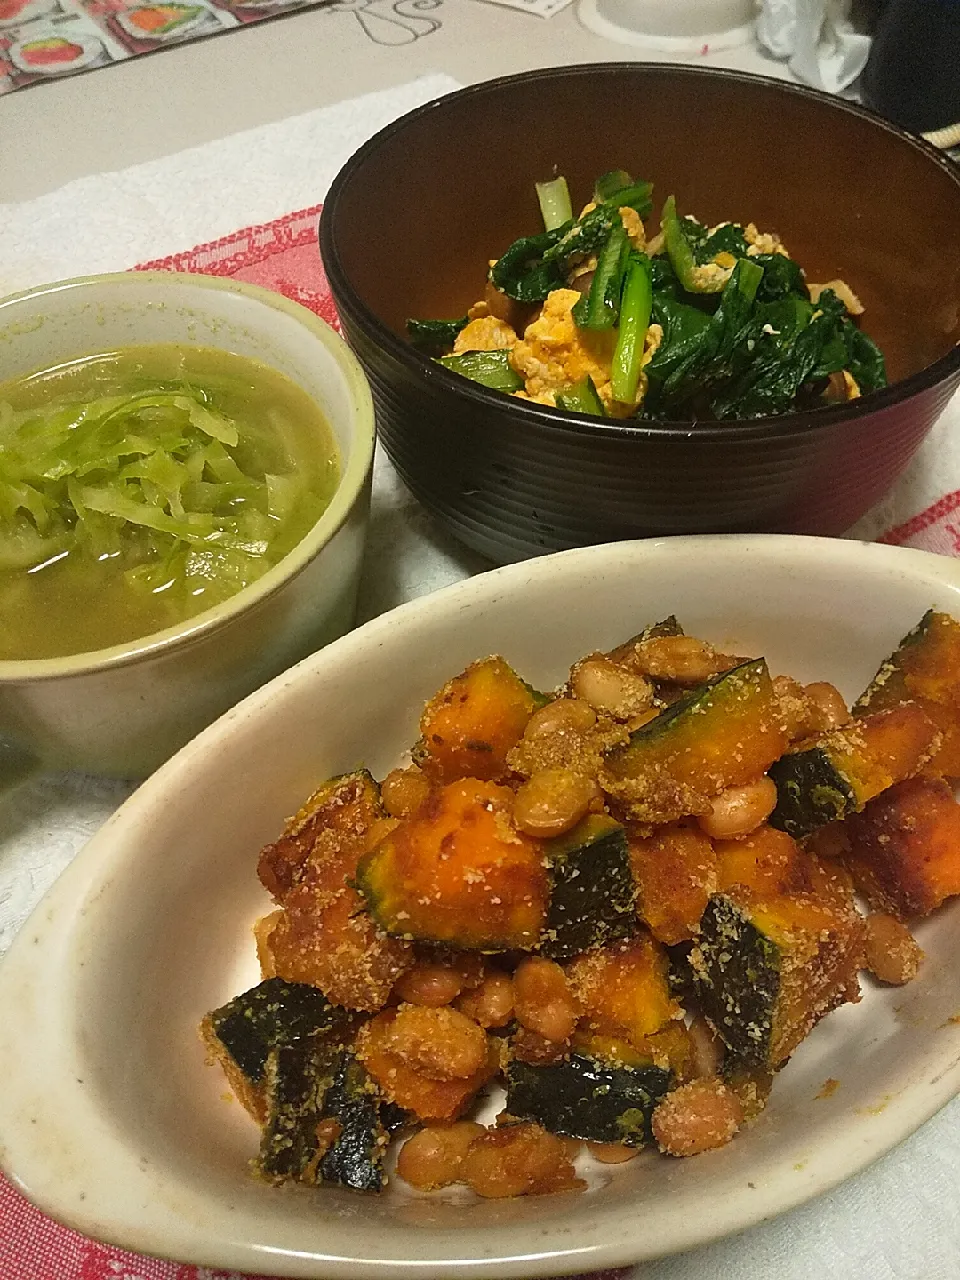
160	104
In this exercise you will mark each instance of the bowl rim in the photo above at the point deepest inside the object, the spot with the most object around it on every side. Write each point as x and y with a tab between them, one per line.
545	417
353	478
62	913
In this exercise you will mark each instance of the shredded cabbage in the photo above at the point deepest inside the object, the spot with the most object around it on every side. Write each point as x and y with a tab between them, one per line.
153	478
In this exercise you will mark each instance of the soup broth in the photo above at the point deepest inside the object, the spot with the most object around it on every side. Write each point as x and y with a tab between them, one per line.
140	487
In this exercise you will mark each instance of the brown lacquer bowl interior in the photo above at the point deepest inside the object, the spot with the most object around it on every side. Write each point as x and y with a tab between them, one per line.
413	219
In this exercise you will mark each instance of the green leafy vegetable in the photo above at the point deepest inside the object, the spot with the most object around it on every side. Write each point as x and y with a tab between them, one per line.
582	397
434	337
489	368
782	278
525	272
740	337
864	358
609	184
555	207
706	244
721	345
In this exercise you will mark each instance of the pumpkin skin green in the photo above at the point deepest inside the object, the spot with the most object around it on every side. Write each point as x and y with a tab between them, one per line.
592	890
307	1084
582	1097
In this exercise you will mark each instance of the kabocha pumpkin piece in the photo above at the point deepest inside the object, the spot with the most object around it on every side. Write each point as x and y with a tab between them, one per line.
585	1097
924	669
837	773
767	971
473	722
768	862
625	652
721	734
459	872
242	1033
413	1089
324	1123
323	937
336	817
624	989
905	848
675	873
592	890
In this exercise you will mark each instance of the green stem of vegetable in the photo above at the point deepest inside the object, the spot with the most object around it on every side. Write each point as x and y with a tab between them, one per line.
608	184
555	203
635	307
681	255
489	368
582	397
749	274
601	307
636	196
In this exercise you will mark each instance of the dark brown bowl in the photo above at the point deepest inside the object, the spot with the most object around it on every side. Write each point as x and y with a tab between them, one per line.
412	219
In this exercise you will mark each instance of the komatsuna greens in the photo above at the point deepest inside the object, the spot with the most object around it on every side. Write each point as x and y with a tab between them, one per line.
694	323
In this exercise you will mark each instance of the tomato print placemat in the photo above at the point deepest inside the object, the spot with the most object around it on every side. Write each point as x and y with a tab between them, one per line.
43	40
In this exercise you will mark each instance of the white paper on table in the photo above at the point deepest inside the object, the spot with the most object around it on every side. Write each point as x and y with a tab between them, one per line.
539	8
816	39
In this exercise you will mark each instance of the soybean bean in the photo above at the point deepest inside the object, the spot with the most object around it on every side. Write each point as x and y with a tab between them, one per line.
739	810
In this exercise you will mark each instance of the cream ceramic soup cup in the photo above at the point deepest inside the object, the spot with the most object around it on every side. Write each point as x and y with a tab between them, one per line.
123	710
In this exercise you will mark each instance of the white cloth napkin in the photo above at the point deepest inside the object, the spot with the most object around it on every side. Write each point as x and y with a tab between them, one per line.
816	38
111	221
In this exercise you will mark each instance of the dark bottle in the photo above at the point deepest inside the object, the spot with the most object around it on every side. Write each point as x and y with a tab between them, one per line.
913	73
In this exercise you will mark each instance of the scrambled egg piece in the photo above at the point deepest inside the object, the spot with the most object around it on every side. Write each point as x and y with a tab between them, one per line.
486	333
762	241
553	353
713	275
842	386
843	291
633	225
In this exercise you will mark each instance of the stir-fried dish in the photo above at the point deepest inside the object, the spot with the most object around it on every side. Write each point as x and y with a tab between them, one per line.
628	902
695	323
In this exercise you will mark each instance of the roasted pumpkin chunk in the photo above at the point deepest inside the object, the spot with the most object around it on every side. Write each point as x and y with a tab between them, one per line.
767	861
925	669
905	847
721	734
473	722
675	873
771	864
592	891
242	1033
767	971
583	1097
460	873
337	815
323	936
840	771
624	989
324	1122
404	1080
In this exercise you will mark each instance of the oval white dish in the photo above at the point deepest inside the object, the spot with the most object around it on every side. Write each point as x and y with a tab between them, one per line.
109	1118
